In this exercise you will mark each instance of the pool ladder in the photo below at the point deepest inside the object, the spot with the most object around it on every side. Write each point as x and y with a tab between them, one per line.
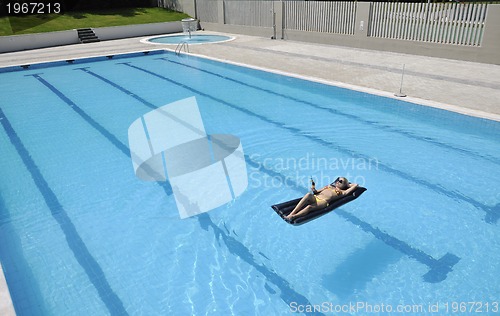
180	46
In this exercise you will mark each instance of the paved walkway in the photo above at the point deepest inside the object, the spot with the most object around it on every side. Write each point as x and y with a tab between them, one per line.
6	307
466	87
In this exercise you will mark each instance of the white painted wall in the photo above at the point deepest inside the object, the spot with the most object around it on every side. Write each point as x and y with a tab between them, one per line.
39	40
116	32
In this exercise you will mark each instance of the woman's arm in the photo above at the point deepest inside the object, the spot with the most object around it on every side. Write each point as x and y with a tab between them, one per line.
318	191
352	187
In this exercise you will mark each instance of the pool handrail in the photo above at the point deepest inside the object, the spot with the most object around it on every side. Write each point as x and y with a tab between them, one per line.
181	45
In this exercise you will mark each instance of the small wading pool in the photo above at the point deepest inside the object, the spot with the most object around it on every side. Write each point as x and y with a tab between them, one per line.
193	39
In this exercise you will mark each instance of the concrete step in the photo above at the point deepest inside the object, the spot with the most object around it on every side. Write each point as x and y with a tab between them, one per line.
87	35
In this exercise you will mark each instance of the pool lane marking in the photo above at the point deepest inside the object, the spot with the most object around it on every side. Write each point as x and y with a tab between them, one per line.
150	105
492	214
165	185
438	267
19	285
341	113
80	251
235	247
112	138
111	83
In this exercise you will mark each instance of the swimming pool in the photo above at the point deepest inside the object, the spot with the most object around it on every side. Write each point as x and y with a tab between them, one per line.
191	39
82	235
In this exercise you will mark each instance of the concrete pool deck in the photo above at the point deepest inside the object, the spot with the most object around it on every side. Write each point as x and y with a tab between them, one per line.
6	307
465	87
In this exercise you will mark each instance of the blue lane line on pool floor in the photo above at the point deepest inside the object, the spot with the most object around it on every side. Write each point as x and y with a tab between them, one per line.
287	293
492	213
18	270
111	83
103	131
79	249
438	267
165	185
341	113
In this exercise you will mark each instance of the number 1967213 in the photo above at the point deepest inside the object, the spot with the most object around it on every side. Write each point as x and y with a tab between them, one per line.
22	8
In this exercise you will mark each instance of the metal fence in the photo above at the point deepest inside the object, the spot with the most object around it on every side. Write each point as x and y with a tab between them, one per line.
447	23
337	17
207	11
249	13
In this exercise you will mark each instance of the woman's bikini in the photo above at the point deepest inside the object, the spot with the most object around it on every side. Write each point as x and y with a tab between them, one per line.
334	189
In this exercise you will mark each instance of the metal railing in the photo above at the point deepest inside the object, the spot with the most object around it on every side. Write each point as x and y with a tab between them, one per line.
249	13
447	23
180	46
337	17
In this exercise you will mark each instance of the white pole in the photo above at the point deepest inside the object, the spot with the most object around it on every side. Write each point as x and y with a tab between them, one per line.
401	94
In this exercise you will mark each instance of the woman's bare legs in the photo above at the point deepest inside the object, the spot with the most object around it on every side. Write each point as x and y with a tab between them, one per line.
307	209
306	205
308	199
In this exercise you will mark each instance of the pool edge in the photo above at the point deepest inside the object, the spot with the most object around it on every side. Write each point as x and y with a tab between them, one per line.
86	58
6	305
414	100
146	40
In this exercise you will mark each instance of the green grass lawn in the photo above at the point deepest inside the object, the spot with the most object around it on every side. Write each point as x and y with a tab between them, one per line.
73	20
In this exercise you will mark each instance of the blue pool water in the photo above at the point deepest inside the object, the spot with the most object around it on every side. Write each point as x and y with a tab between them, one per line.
193	39
80	234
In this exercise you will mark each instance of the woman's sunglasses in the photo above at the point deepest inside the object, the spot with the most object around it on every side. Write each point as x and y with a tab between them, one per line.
341	181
